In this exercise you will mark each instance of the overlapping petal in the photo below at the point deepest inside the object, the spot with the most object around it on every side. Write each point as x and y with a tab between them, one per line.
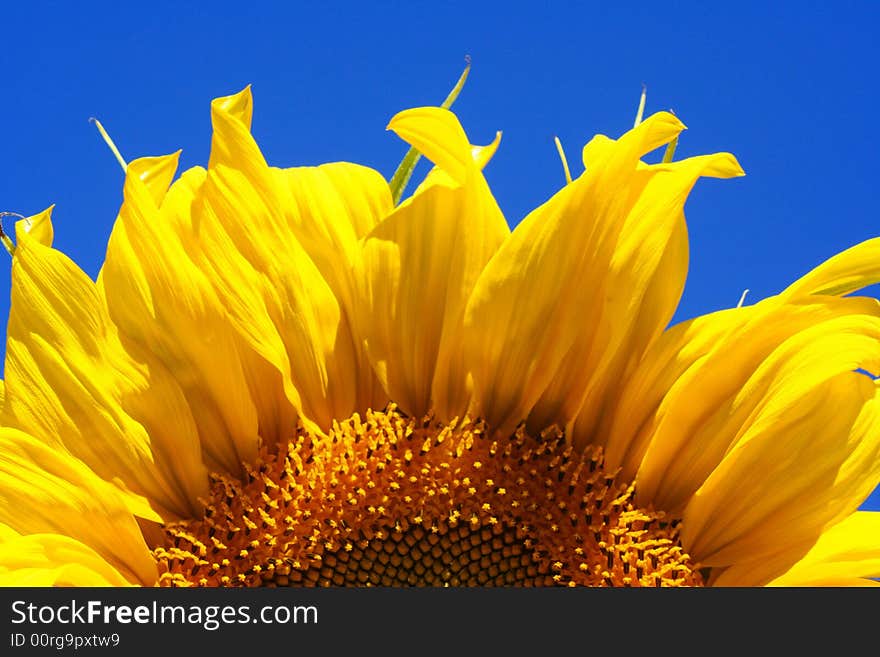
242	299
638	411
544	314
649	392
70	382
853	269
53	560
643	286
846	554
830	423
755	393
44	490
329	209
720	395
277	299
164	305
847	550
419	266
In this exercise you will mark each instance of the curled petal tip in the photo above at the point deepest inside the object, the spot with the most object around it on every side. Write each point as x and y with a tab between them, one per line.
728	166
667	118
238	104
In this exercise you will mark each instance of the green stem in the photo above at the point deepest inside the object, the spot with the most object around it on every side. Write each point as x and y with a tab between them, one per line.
407	165
8	245
7	241
640	113
109	142
670	150
564	160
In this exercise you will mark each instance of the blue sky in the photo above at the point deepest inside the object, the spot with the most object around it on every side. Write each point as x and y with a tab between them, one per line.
788	88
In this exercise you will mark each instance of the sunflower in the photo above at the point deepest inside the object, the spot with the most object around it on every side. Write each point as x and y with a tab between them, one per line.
284	377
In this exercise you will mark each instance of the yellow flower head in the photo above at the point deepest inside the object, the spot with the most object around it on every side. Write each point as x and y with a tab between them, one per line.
282	376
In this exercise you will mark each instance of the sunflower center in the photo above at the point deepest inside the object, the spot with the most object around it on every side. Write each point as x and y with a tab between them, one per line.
387	500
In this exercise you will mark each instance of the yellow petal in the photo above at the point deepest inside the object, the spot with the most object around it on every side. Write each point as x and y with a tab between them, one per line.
848	271
643	285
276	297
535	302
655	131
761	498
54	560
239	108
176	208
69	381
851	548
417	270
44	490
641	406
625	350
483	154
328	209
712	403
363	192
39	227
840	582
846	552
155	174
637	414
436	133
163	304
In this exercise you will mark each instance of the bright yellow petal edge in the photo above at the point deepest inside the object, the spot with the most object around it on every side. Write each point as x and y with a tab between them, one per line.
283	367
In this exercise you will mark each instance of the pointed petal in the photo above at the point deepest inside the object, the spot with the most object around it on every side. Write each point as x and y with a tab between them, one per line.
277	299
655	131
239	108
437	134
155	174
264	382
483	154
638	412
45	490
163	304
39	227
528	311
69	381
848	271
713	402
814	410
643	286
419	265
